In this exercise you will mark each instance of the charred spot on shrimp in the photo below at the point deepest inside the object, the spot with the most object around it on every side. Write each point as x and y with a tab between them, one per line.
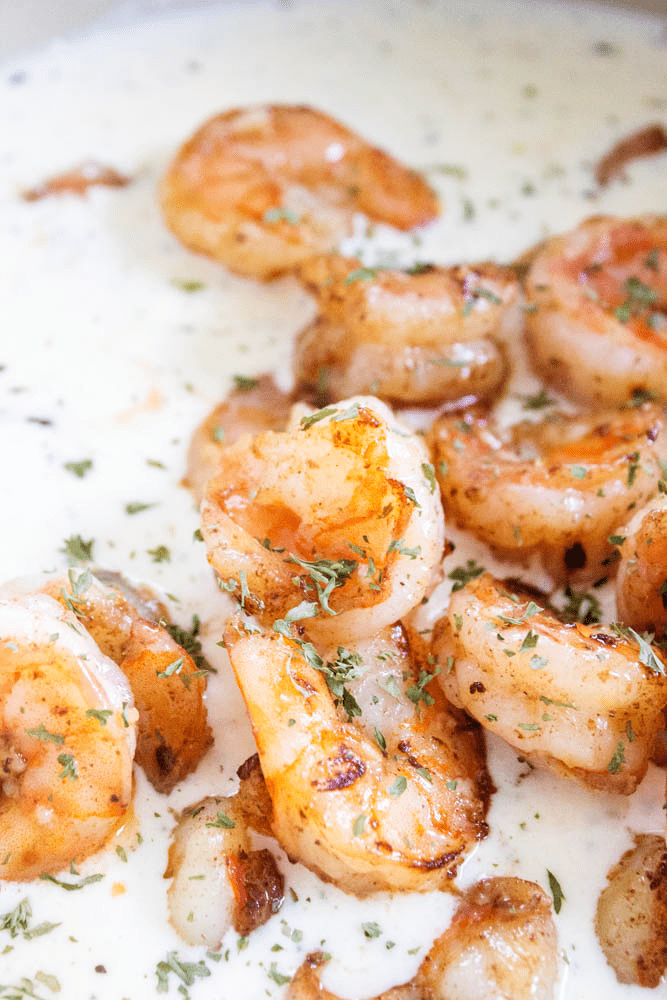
340	771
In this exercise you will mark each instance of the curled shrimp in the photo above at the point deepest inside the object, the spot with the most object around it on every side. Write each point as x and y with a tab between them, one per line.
376	782
172	731
218	881
599	296
560	487
336	521
631	916
501	945
641	581
248	409
67	740
420	337
584	700
261	189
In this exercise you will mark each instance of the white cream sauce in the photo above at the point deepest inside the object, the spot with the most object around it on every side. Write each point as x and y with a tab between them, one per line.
106	358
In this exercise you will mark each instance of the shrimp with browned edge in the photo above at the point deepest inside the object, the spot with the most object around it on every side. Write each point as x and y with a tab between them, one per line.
67	739
253	406
560	487
218	880
501	945
376	782
418	338
641	581
631	917
261	189
584	700
172	732
336	522
598	325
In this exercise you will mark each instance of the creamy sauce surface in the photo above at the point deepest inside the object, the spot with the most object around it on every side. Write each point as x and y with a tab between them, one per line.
106	358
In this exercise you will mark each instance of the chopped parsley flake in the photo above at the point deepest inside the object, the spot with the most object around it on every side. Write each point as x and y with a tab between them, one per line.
223	821
137	507
160	554
187	972
361	274
556	891
371	929
79	469
398	787
617	761
78	549
244	383
463	574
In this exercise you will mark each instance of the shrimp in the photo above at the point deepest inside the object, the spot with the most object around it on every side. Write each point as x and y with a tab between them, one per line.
218	880
336	521
420	337
262	189
559	487
599	294
376	782
631	917
67	740
584	700
641	582
168	689
248	409
501	945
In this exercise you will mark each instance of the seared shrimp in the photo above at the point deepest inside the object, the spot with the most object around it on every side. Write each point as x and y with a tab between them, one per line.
67	739
260	406
599	330
560	487
261	189
584	700
377	784
218	880
631	918
641	583
420	337
168	689
501	945
336	522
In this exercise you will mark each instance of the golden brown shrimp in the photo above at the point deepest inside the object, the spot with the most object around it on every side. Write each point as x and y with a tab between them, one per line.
631	917
599	330
501	945
376	782
261	189
584	700
336	521
218	880
172	732
560	487
641	583
420	337
67	739
248	409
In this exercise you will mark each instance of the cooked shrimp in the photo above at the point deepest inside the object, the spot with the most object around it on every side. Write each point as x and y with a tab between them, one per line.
67	739
248	409
337	521
641	583
599	329
584	700
168	689
631	917
420	337
376	782
262	189
501	945
559	487
218	880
